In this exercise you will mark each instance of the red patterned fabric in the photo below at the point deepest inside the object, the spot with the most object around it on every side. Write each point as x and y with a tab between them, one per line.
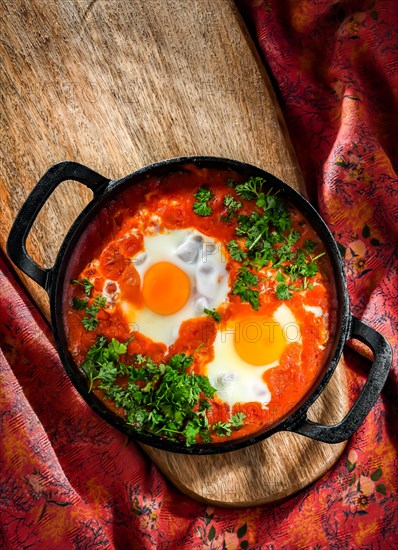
68	480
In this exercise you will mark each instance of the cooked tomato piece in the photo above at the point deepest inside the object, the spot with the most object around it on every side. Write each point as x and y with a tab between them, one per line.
131	244
130	286
113	262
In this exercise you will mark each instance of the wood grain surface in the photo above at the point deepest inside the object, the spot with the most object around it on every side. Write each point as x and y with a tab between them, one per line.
117	85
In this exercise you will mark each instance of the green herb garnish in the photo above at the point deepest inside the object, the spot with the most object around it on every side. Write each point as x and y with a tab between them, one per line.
283	292
90	323
163	399
304	266
232	207
237	420
225	428
213	313
92	310
243	288
250	189
267	238
78	303
100	301
310	246
236	252
203	196
85	284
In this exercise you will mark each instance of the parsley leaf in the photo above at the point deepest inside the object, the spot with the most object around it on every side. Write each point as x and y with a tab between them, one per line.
85	284
205	436
100	301
243	288
203	196
204	404
116	348
225	428
251	188
78	303
191	430
87	287
232	205
310	246
303	266
202	209
269	240
204	384
180	362
237	420
213	313
164	399
90	323
283	292
236	252
100	358
92	310
222	428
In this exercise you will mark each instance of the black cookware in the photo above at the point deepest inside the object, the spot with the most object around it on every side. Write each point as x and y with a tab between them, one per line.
53	279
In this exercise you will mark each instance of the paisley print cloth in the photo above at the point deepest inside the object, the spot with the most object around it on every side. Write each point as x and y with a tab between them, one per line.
70	481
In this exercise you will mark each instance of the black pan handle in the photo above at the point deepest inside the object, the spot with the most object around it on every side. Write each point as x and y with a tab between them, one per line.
367	398
16	243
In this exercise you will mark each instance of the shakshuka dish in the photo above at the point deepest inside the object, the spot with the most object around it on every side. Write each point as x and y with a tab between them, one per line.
199	305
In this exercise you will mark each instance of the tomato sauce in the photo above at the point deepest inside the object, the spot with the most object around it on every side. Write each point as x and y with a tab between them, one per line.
104	254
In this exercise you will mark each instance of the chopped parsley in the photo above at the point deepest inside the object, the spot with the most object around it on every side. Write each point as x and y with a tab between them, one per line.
225	428
90	323
100	301
237	420
163	399
267	238
203	196
243	288
283	292
232	207
92	310
85	284
309	246
304	266
236	252
250	189
78	303
213	313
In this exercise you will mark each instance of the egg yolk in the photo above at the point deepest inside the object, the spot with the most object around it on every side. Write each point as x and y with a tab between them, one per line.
166	288
259	342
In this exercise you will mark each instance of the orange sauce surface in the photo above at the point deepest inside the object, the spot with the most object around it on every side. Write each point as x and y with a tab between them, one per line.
104	255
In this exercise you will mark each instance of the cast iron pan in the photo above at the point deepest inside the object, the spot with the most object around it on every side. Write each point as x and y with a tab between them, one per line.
53	279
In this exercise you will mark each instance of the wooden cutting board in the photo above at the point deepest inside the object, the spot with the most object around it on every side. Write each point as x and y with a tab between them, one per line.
117	85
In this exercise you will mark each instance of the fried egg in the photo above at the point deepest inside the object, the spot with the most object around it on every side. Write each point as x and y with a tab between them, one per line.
181	272
244	349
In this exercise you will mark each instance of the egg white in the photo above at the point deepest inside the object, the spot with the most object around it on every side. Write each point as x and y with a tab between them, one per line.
206	290
323	317
237	381
316	310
